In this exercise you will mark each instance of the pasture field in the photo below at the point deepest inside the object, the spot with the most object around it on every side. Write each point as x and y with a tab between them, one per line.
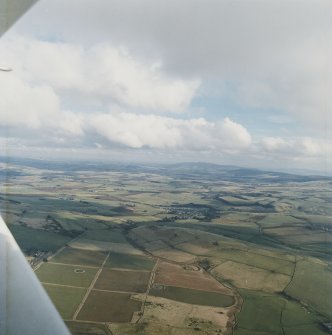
38	239
125	261
312	285
260	313
274	264
85	328
273	314
65	299
79	257
312	329
105	235
94	245
190	296
66	274
123	280
174	255
249	277
108	307
169	274
275	220
180	315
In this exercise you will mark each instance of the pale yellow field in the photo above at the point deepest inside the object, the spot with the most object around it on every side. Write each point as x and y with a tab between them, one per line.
248	277
94	245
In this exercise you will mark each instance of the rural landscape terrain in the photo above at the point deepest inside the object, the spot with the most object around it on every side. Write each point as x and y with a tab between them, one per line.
175	249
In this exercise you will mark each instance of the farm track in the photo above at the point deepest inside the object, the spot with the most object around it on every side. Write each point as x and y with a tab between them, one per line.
152	277
90	287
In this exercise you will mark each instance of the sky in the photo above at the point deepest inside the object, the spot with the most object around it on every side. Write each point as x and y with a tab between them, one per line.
226	81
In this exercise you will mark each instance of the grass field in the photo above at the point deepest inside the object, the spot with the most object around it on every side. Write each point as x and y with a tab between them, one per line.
125	261
108	307
260	313
94	245
249	277
122	280
80	257
190	296
66	275
274	264
274	220
109	235
38	239
274	314
312	285
85	328
65	299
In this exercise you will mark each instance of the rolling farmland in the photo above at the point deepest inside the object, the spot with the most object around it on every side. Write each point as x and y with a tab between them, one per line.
174	250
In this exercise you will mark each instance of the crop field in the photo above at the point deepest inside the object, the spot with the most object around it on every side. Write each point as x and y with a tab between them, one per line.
123	280
109	307
80	257
65	299
66	274
190	296
169	274
125	261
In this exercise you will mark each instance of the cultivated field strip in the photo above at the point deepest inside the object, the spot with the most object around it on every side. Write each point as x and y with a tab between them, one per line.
90	288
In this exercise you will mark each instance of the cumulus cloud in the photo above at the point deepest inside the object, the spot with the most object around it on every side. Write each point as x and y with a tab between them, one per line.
151	131
26	105
152	59
275	54
102	72
297	147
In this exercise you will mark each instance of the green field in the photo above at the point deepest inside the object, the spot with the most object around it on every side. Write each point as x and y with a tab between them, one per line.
38	239
312	285
257	260
66	275
65	299
108	307
85	328
190	296
105	235
122	280
80	257
125	261
274	314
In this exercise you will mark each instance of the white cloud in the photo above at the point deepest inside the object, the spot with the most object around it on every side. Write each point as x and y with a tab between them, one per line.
297	147
26	105
275	54
101	72
151	131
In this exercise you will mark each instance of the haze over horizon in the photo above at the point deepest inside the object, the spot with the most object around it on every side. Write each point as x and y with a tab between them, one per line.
242	83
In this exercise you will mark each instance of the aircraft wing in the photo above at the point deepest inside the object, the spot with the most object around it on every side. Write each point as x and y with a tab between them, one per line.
25	308
12	10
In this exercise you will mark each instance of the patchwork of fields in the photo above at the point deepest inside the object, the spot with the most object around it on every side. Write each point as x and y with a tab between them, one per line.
182	249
